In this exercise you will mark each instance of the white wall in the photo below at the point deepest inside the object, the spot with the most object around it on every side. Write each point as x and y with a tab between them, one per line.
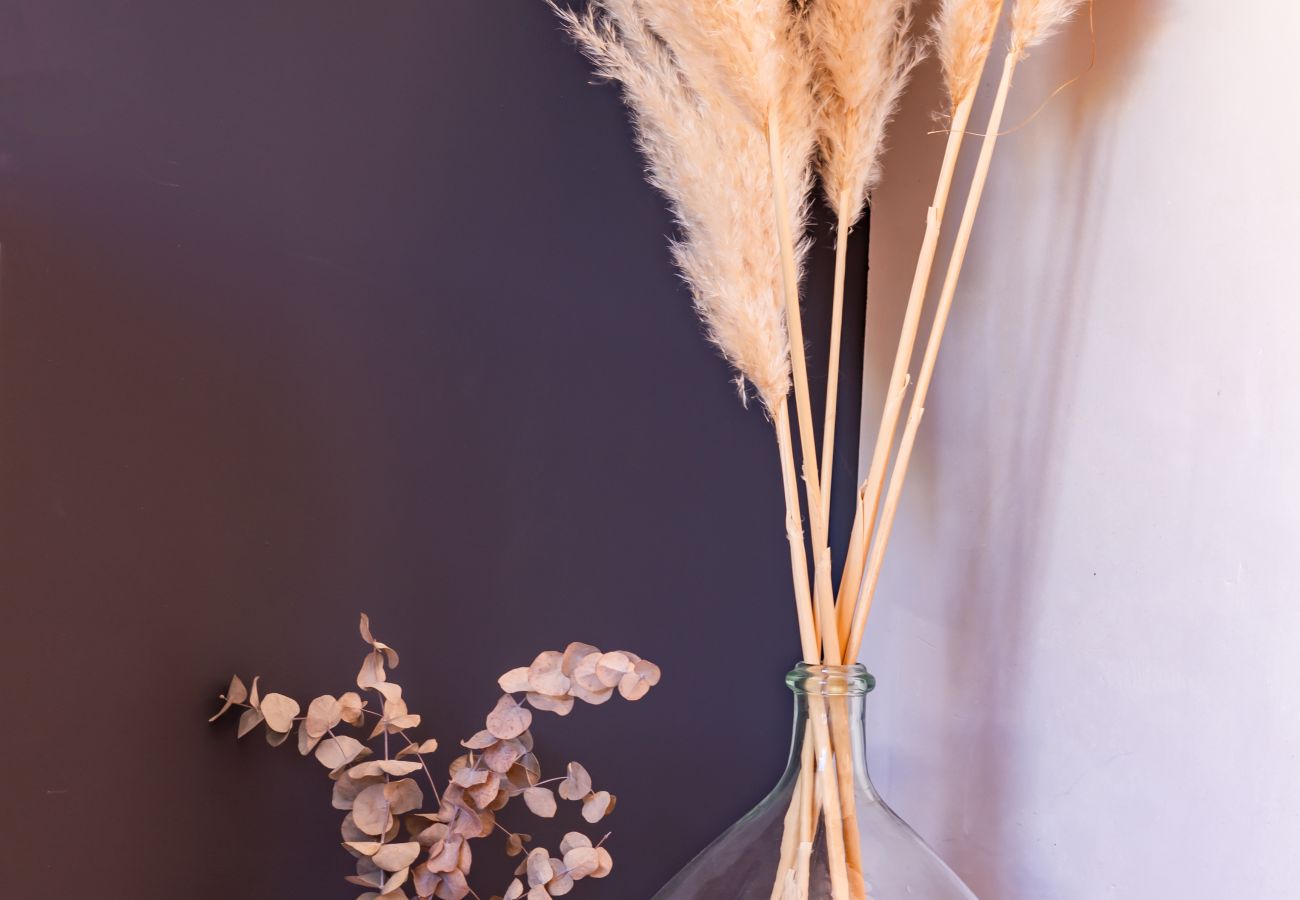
1088	633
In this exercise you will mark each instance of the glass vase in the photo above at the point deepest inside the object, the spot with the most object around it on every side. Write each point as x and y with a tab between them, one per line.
823	833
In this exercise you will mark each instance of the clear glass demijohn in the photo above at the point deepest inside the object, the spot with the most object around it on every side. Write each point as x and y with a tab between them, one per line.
823	833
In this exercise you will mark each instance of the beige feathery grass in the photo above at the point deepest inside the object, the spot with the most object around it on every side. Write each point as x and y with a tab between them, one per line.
963	31
1034	21
712	165
865	53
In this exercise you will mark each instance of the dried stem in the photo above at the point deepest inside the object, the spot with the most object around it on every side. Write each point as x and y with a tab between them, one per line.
803	402
794	533
869	493
833	363
917	410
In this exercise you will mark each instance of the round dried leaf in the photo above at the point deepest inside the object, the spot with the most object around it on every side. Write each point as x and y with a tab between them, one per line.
365	629
404	795
574	654
384	767
306	743
648	671
279	711
338	750
515	681
395	857
276	738
538	893
480	741
605	865
515	843
540	801
515	891
371	810
633	687
595	698
539	867
562	883
573	840
581	861
596	806
584	673
348	786
545	675
612	667
508	719
372	671
351	705
502	755
236	693
248	720
577	782
561	706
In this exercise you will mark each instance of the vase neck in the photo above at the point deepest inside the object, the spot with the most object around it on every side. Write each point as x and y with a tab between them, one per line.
834	697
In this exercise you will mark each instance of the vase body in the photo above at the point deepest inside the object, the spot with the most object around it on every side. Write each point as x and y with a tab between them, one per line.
799	845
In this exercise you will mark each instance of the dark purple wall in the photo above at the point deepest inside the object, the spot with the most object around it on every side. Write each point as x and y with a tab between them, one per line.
308	308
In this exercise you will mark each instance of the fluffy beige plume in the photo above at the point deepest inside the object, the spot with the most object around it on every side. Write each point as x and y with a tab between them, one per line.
865	54
963	31
711	162
1034	21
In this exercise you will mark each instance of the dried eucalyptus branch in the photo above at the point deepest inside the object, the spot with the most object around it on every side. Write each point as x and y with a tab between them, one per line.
383	801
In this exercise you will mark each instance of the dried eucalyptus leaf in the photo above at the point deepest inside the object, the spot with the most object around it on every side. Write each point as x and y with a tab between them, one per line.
514	891
561	706
279	711
351	705
595	807
276	738
605	864
365	629
515	681
395	881
362	848
585	674
540	801
254	698
612	667
574	654
573	840
404	795
595	698
372	671
323	713
633	686
468	776
538	893
562	883
483	794
480	741
338	750
248	720
648	671
515	843
396	857
538	867
371	810
502	755
581	861
545	675
508	719
577	783
348	786
236	693
383	767
306	743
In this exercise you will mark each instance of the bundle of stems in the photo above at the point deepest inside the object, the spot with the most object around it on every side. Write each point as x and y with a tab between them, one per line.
738	105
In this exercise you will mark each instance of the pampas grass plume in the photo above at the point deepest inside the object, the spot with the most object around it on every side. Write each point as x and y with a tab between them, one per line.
963	32
1034	21
708	157
865	55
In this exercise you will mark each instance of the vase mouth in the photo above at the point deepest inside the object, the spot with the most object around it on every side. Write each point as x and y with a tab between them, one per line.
838	681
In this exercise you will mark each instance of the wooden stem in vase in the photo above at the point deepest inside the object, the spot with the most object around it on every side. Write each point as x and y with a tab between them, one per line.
869	492
833	363
876	557
822	591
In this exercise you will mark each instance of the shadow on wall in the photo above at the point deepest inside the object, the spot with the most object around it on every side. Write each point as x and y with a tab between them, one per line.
1002	571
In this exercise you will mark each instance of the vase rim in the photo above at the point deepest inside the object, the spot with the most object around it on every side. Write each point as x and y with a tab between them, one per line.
815	678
